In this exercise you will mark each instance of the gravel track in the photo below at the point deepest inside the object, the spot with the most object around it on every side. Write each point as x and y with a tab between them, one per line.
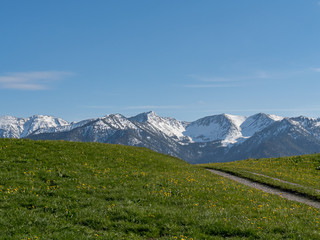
268	189
277	179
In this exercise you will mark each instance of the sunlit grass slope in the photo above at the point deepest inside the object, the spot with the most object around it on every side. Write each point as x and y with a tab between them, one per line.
64	190
303	170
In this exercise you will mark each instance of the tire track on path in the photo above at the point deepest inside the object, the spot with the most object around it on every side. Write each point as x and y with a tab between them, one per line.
280	180
268	189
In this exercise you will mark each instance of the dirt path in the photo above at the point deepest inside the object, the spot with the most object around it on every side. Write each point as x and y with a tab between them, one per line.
277	179
271	190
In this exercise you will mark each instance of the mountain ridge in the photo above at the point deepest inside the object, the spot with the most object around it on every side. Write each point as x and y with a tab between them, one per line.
215	138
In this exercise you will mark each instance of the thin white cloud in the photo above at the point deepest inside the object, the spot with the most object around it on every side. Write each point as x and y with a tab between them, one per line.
261	75
230	79
211	79
24	86
211	85
31	80
225	82
237	80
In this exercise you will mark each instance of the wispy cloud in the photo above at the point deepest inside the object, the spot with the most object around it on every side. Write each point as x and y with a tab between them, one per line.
225	82
31	80
211	85
211	79
238	78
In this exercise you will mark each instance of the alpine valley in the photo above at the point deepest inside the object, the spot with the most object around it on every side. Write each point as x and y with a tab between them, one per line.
217	138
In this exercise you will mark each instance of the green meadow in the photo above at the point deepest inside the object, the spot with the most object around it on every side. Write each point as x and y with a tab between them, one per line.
67	190
303	171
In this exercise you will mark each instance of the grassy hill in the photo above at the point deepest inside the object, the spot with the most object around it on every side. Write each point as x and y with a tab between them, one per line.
302	171
65	190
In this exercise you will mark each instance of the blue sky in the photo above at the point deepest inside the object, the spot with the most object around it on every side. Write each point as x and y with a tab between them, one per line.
186	59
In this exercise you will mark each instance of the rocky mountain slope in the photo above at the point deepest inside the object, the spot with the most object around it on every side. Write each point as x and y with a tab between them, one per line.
215	138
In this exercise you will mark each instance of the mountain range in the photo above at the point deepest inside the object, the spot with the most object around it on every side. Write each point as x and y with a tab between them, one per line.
217	138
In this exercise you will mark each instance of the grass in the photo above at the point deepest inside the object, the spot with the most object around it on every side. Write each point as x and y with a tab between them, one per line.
65	190
301	170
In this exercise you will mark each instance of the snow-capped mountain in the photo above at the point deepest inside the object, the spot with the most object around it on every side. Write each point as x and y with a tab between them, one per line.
312	125
257	122
214	138
12	127
222	127
168	126
282	138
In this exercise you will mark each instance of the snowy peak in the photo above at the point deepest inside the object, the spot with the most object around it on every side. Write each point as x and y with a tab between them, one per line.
13	127
305	121
230	129
311	125
257	122
274	117
285	127
218	127
115	121
169	126
37	122
145	117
